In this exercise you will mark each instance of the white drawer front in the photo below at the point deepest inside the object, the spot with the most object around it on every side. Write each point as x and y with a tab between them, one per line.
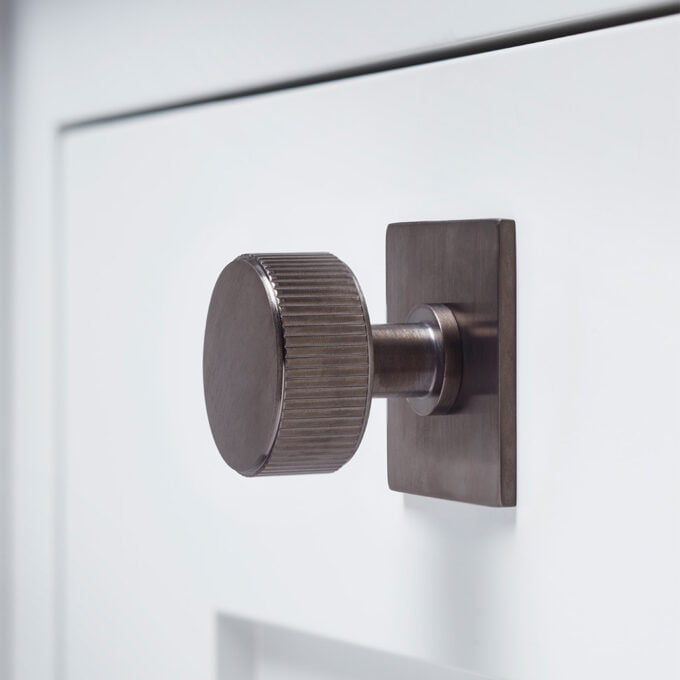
577	140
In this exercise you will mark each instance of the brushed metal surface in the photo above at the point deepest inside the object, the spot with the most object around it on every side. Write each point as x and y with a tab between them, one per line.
287	364
291	362
469	455
242	372
406	359
443	395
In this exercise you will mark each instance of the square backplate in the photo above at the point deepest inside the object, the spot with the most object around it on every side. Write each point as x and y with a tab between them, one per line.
470	454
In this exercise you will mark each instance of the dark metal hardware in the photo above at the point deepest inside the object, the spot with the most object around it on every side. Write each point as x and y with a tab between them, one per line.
291	361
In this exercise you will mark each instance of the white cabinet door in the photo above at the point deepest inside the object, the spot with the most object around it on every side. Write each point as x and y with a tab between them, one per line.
175	567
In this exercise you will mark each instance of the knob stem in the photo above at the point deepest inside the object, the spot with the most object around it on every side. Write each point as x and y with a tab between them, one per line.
406	359
420	360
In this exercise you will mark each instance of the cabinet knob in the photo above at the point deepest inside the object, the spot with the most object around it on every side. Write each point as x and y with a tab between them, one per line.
291	362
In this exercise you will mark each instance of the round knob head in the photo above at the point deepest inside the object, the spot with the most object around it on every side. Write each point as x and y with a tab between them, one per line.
287	364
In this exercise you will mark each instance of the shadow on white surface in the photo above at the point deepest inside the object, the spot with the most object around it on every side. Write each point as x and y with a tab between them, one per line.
250	650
